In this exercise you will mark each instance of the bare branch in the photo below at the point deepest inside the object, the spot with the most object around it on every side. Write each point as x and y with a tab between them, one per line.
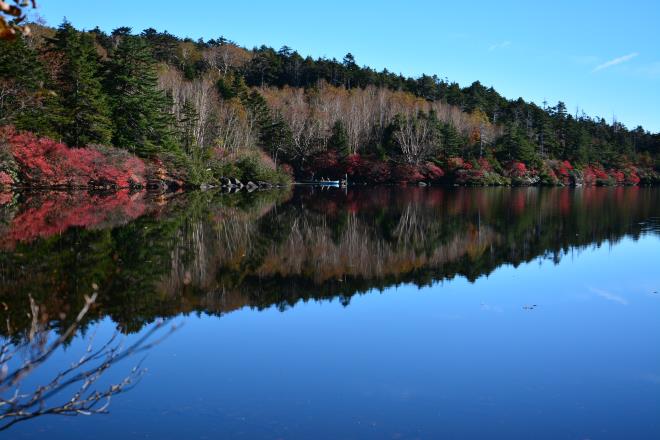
83	374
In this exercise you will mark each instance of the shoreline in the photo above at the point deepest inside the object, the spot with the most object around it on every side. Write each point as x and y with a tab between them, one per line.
33	162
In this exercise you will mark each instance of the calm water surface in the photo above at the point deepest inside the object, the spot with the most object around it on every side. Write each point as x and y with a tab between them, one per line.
375	313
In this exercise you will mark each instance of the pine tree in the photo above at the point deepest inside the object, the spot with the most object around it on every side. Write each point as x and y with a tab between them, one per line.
187	124
339	139
515	145
451	141
278	136
274	133
548	146
82	115
141	113
579	145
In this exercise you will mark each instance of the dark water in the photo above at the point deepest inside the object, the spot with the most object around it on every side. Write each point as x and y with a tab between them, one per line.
376	313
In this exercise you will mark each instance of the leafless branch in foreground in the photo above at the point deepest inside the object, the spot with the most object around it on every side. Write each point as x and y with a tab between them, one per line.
81	376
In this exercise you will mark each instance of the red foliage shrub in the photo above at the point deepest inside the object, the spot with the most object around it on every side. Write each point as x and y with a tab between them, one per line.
46	163
558	172
589	177
405	173
454	163
432	171
352	164
516	169
632	178
618	176
327	163
600	173
484	164
374	170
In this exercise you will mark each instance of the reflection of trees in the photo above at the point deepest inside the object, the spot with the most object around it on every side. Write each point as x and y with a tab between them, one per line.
75	389
217	254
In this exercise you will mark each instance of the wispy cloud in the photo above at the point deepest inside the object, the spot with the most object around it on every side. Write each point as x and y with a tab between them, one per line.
609	296
500	45
615	61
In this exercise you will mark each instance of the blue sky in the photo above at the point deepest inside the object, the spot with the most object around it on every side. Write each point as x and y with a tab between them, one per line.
602	56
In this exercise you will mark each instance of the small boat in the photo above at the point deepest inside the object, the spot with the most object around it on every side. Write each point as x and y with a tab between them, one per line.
320	183
328	183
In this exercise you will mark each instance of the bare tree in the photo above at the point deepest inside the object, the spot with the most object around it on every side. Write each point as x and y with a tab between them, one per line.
415	137
17	405
225	57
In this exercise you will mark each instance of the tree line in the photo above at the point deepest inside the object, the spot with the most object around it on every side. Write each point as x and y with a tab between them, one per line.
212	103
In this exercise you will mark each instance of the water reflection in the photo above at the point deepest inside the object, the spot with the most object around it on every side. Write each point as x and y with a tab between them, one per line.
158	256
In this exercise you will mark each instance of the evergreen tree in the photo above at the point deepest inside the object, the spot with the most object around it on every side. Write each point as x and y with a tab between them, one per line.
141	112
225	89
451	141
187	125
22	81
82	115
277	137
546	137
515	145
274	133
580	145
339	139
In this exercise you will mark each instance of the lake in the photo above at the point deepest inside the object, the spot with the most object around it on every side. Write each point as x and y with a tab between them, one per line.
384	312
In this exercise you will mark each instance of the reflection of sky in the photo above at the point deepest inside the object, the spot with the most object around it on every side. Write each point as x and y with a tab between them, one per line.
455	360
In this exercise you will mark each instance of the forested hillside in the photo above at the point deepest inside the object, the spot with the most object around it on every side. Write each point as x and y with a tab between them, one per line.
215	109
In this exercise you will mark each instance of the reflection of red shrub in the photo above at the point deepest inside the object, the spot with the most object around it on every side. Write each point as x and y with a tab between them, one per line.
47	215
5	179
6	197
